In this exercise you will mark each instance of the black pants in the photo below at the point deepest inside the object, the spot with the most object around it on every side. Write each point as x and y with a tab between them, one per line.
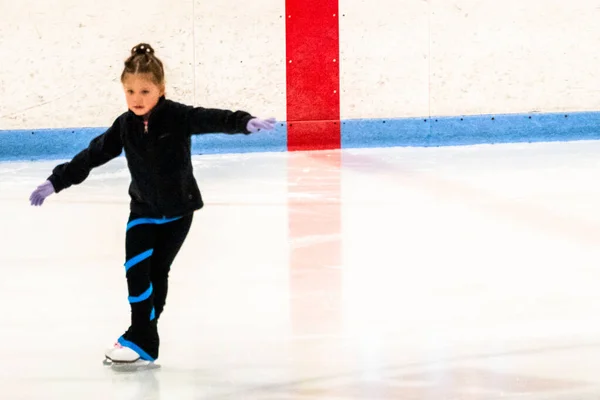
150	246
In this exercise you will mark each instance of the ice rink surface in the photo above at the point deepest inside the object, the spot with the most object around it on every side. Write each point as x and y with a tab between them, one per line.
402	273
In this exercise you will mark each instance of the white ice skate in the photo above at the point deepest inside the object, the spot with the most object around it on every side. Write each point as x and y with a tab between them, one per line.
124	359
121	354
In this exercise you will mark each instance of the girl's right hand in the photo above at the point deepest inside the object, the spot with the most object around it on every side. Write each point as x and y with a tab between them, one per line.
40	193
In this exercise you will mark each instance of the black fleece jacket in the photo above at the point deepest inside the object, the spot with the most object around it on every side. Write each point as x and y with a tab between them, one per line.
159	159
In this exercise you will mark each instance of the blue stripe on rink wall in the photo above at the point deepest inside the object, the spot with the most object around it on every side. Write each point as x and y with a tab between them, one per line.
39	144
51	144
54	144
479	129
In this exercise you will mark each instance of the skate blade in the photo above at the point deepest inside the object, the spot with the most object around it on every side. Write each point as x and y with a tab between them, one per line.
137	365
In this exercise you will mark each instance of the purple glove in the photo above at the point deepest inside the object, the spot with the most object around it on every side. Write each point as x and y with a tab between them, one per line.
40	193
256	124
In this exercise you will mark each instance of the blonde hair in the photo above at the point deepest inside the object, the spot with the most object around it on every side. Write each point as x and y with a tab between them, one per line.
143	61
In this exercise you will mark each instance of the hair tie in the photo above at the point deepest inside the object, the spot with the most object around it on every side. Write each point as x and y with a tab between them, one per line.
142	49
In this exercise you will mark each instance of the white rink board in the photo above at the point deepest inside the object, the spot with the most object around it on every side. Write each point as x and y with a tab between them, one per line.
62	62
240	56
384	58
514	56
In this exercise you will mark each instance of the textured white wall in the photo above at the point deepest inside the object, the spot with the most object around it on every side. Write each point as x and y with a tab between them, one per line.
240	54
384	49
491	56
440	57
61	61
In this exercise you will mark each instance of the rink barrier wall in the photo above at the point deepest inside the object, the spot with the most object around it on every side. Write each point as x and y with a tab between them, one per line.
47	144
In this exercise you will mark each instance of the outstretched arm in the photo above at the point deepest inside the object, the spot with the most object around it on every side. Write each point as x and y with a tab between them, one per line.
212	120
101	149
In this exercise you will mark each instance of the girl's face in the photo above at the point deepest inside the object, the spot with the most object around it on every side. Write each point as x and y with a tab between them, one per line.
141	93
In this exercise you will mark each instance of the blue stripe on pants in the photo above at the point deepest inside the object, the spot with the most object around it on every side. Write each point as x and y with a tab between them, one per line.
142	297
143	355
156	221
137	259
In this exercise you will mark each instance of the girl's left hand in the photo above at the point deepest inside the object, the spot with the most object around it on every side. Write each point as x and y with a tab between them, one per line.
40	193
256	124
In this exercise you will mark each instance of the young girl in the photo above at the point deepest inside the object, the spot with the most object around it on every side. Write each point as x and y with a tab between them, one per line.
156	136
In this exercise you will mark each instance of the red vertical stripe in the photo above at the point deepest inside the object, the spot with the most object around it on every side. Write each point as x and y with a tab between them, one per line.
313	79
315	237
